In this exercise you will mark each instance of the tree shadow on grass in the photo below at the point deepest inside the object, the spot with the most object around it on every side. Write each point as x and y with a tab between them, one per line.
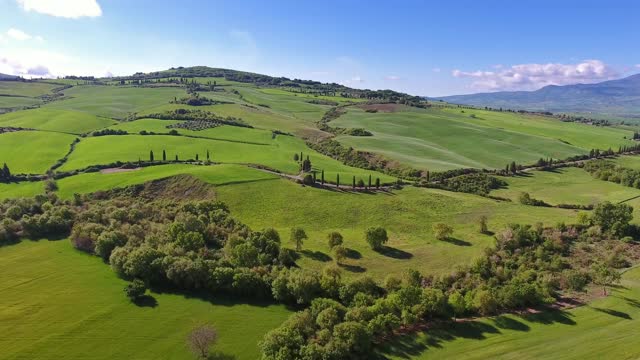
353	254
616	313
219	355
353	268
457	242
412	345
550	316
316	255
394	253
632	302
509	323
146	301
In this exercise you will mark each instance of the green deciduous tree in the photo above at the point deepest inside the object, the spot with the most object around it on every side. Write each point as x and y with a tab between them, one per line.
376	237
298	236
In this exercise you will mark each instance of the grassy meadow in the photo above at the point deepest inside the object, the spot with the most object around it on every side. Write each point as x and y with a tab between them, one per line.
60	303
33	152
72	122
437	139
565	186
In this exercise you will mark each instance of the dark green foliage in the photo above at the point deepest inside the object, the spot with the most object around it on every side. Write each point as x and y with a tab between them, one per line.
164	155
526	199
5	173
475	183
308	180
135	289
200	117
151	155
105	132
376	237
613	218
334	239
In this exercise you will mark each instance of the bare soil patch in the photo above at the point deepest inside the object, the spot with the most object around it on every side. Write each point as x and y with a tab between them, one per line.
386	108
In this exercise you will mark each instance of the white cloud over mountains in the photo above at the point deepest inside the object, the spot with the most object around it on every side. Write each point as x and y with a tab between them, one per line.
72	9
20	35
535	76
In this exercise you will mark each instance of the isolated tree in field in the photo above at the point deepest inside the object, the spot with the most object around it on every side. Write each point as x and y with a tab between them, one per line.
296	157
339	253
354	182
151	155
200	340
197	157
208	156
135	289
335	239
442	231
164	155
377	183
604	275
5	173
482	224
376	237
298	236
322	177
306	165
513	168
338	180
176	157
369	181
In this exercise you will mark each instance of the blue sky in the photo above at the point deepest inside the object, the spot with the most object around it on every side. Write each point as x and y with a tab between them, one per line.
420	47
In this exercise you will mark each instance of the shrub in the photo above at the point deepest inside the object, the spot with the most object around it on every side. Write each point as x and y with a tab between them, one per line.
442	231
376	237
135	289
334	239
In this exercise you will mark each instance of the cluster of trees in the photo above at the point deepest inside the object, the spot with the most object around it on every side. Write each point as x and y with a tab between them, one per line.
529	266
195	125
334	113
5	173
164	156
525	199
609	171
105	132
35	218
473	183
198	115
364	160
196	100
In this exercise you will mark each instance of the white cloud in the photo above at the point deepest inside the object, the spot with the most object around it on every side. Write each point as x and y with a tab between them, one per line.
20	35
535	76
34	63
392	77
354	81
72	9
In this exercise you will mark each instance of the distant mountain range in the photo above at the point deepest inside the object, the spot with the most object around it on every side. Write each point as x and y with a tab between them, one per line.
7	77
614	98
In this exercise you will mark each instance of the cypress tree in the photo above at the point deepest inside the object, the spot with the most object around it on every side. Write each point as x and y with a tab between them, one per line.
338	180
377	183
208	155
151	155
354	181
164	155
322	176
197	157
176	157
369	181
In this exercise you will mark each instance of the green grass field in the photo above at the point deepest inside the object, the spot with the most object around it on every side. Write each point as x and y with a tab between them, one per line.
565	185
26	89
33	152
114	101
407	214
278	154
444	139
59	303
604	329
216	175
55	120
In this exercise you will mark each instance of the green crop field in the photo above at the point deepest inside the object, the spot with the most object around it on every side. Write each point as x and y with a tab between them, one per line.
33	152
565	186
437	139
58	302
114	101
26	89
604	329
278	154
55	120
